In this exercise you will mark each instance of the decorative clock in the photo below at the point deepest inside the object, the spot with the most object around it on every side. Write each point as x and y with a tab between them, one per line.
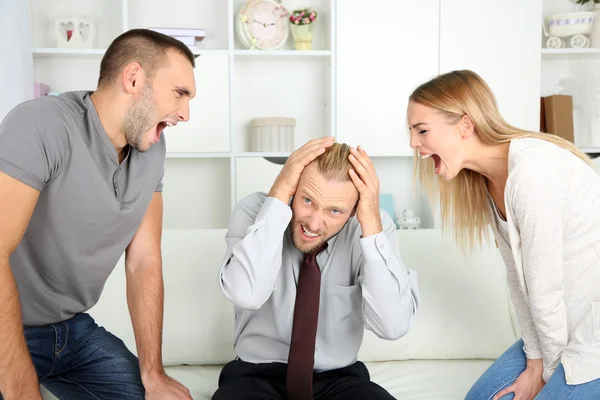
262	24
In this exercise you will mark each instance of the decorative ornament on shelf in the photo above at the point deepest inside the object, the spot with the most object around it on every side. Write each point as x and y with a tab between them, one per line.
75	32
74	23
301	22
40	90
273	134
410	220
576	25
261	24
595	33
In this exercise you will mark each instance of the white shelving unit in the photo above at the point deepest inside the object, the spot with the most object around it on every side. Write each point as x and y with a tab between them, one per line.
209	165
354	85
48	52
571	51
566	63
590	150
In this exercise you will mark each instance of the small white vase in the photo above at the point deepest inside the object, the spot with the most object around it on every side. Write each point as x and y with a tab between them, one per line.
302	36
595	34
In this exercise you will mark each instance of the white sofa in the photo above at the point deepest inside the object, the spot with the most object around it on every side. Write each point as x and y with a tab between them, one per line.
465	321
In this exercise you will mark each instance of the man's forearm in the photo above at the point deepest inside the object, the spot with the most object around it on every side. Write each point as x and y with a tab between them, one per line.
18	378
250	273
145	297
389	289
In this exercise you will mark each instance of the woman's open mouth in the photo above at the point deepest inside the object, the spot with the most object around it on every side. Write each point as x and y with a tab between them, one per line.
437	161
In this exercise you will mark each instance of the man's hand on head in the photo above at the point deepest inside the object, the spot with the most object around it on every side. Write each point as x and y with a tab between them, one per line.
366	181
287	181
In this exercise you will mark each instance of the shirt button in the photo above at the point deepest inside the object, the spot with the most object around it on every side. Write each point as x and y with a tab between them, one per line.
382	246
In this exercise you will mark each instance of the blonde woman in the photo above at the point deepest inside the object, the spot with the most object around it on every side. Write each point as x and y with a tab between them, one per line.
541	196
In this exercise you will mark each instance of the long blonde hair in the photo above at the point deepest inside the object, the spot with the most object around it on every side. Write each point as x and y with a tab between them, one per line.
464	200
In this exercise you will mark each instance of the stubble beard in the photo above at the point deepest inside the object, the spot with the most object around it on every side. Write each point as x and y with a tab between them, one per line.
137	120
297	240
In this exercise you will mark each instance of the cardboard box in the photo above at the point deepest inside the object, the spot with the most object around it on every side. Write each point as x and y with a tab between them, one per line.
558	116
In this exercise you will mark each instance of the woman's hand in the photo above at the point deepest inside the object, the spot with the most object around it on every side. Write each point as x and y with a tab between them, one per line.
528	384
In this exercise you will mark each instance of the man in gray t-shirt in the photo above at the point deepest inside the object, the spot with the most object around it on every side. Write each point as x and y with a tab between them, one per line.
80	184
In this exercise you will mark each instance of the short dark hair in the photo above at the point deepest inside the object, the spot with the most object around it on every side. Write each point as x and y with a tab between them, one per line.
144	46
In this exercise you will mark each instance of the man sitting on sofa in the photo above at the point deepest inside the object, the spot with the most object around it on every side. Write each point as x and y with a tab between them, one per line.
305	279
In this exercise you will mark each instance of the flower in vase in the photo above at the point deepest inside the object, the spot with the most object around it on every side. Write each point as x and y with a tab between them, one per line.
303	16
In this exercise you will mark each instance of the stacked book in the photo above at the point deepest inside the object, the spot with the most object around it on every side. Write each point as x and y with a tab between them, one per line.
188	36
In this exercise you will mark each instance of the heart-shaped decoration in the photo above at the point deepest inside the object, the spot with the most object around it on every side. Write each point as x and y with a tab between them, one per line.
66	30
84	31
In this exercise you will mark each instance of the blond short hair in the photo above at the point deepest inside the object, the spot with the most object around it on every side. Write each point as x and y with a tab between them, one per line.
333	164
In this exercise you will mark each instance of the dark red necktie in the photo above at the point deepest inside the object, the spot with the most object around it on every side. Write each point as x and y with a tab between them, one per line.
301	359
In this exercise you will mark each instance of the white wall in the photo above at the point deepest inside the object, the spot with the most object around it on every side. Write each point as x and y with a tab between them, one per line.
380	61
380	64
502	45
16	68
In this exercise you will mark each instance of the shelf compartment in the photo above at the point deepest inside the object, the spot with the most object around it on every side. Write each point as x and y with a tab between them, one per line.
285	55
322	39
107	16
248	181
201	188
56	51
282	89
210	15
568	50
207	131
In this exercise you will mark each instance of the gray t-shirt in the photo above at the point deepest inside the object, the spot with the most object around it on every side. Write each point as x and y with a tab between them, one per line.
89	208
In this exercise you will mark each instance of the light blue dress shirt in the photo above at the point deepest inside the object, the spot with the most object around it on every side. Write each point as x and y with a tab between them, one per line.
363	283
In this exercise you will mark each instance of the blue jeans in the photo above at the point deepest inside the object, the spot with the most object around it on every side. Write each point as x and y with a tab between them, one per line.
507	368
78	360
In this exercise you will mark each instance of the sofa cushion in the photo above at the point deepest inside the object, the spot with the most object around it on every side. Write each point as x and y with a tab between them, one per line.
198	318
406	380
465	307
464	304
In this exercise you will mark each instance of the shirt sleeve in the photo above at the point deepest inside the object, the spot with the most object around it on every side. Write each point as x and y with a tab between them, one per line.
539	201
254	250
34	143
390	290
159	185
528	330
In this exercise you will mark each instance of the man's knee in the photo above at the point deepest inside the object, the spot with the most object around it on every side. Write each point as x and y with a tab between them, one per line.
114	354
247	388
105	364
366	390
